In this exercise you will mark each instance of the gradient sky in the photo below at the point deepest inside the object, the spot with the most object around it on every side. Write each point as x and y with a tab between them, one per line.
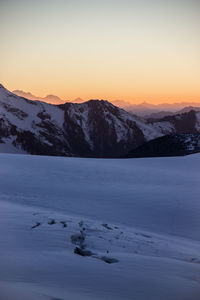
144	50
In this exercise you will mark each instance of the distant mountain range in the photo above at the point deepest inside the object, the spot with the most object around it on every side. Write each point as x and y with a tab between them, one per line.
163	114
51	99
157	111
144	109
95	128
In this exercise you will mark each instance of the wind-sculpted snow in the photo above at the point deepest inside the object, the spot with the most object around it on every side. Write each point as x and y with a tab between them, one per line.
75	228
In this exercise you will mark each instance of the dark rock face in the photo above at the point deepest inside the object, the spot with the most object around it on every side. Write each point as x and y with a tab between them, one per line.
183	123
6	129
15	111
43	116
102	140
29	142
169	145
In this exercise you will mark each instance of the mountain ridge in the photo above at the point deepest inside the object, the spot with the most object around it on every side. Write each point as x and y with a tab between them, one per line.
95	128
143	109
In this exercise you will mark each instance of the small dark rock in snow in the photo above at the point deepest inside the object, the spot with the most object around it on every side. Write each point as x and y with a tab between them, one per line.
82	252
51	222
193	259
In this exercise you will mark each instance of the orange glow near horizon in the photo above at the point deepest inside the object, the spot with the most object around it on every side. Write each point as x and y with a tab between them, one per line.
134	51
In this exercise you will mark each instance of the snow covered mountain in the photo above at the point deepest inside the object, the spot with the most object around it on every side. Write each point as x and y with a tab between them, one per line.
184	139
187	122
95	128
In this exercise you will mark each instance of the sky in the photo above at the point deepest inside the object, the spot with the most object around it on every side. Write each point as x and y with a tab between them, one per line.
144	50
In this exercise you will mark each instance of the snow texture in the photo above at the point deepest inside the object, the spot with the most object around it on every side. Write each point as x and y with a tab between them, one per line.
75	228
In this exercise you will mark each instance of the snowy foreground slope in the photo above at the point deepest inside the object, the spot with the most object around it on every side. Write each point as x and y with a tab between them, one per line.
140	214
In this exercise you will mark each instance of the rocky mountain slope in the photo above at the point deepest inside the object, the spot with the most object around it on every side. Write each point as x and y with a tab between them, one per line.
168	145
187	122
90	129
184	139
94	128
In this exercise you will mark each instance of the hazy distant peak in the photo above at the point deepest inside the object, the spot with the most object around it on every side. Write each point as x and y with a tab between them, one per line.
78	100
27	95
52	99
52	96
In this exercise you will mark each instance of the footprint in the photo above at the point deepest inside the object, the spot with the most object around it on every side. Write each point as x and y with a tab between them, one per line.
106	226
83	252
51	222
144	235
109	260
36	225
63	223
77	238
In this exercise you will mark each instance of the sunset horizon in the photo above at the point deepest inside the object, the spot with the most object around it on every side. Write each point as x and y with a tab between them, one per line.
135	101
132	51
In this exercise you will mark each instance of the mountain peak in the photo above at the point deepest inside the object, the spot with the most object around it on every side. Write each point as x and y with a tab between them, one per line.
78	100
3	90
1	86
52	99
